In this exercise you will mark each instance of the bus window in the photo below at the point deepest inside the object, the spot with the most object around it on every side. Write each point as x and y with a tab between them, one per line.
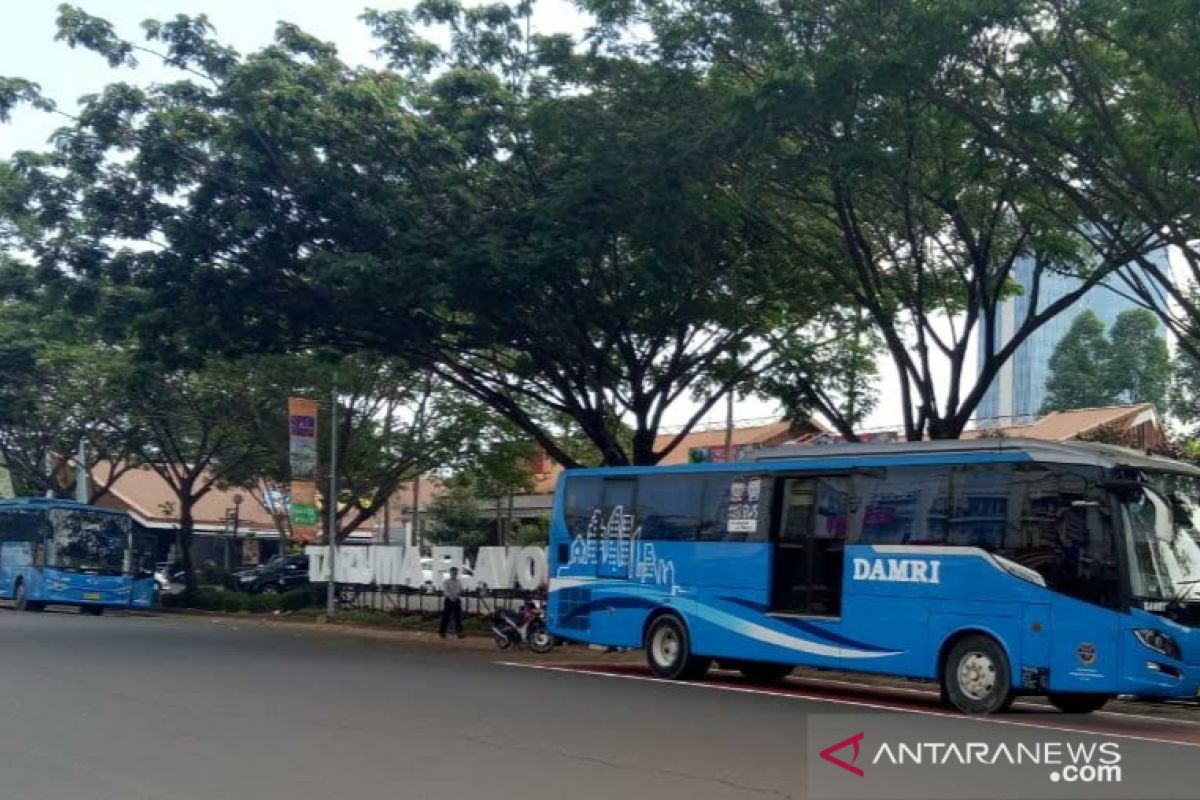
905	505
1062	527
583	500
668	507
736	508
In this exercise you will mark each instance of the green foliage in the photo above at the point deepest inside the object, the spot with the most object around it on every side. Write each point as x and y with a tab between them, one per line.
1185	389
455	516
296	599
1130	364
542	225
1076	378
531	534
1139	364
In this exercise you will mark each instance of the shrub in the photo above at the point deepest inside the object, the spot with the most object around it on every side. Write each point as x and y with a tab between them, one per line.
295	600
261	603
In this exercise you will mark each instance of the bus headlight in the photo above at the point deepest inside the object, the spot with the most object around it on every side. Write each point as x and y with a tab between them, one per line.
1158	642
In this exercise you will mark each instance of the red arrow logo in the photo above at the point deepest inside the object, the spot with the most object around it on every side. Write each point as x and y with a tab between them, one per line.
828	754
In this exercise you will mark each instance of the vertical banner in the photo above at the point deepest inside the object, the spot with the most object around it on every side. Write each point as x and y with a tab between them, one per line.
302	453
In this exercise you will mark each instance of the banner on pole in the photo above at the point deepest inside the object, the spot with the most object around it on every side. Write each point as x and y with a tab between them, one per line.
302	437
305	516
302	453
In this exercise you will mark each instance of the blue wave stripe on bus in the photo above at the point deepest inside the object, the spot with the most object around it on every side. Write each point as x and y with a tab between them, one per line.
807	627
727	615
612	602
764	631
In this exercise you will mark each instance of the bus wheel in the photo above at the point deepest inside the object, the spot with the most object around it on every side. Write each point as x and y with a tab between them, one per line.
95	611
1078	702
976	676
763	671
669	651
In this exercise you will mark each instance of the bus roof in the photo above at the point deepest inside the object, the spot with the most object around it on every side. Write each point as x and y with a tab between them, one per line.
53	502
1103	455
955	451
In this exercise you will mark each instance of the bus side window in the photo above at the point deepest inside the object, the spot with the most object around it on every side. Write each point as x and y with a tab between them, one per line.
668	507
736	508
583	499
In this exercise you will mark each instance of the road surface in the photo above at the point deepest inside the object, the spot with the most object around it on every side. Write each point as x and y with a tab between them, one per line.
137	708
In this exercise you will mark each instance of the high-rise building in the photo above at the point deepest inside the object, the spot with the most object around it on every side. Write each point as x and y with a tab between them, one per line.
1016	394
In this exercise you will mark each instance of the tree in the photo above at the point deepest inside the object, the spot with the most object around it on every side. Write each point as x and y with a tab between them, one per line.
198	433
1077	377
916	219
61	386
1185	388
537	223
1139	365
455	516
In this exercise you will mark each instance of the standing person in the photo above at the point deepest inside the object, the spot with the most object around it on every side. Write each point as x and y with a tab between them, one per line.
452	603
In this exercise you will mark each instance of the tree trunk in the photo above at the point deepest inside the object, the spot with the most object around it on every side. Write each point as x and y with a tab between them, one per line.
183	540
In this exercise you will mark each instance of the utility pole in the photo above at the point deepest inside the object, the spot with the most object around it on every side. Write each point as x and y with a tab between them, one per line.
729	426
416	511
331	587
81	476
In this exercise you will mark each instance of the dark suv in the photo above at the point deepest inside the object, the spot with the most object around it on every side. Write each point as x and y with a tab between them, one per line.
280	574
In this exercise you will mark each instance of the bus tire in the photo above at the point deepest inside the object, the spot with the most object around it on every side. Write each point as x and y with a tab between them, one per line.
976	676
763	671
95	611
669	650
1077	702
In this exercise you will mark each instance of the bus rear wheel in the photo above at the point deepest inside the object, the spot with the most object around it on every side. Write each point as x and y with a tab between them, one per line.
976	676
669	651
1077	702
95	611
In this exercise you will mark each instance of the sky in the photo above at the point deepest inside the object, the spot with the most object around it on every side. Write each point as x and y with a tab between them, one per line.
28	50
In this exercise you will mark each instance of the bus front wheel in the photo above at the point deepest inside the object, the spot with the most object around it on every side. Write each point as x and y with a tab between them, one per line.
976	676
21	601
669	650
1077	702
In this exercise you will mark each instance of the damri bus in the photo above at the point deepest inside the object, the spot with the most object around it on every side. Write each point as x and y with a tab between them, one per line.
997	567
56	552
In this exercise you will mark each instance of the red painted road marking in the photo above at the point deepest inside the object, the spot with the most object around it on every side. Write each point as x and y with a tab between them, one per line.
1113	725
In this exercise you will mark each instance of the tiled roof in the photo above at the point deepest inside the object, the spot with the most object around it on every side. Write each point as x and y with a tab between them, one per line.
1060	426
142	492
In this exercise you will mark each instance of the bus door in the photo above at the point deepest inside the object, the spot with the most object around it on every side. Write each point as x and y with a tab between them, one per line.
808	544
615	553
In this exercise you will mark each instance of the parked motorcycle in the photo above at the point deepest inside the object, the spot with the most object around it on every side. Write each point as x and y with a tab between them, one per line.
526	627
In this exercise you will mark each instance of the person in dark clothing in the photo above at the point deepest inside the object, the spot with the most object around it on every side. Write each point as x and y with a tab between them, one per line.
452	604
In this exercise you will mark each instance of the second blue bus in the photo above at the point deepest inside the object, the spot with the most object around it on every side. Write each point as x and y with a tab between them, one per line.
57	552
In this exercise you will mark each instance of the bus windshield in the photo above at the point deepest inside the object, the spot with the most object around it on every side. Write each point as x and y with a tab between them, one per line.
1163	551
82	541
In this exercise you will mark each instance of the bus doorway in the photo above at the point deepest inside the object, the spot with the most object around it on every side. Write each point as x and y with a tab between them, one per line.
808	547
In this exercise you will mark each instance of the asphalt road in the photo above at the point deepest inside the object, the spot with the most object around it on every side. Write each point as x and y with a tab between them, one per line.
132	708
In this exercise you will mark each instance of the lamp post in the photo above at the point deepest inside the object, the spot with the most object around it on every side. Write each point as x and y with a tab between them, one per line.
232	520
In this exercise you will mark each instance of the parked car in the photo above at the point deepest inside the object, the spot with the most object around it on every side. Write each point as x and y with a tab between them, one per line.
434	583
280	574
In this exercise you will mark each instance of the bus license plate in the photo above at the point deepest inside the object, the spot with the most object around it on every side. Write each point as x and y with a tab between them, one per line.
91	596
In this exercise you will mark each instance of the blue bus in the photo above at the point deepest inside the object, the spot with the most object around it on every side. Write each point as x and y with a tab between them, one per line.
996	567
57	552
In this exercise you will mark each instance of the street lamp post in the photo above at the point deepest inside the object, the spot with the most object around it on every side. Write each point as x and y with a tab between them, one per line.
232	520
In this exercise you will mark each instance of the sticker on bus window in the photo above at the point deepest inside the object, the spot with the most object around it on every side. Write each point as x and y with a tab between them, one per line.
753	489
742	525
